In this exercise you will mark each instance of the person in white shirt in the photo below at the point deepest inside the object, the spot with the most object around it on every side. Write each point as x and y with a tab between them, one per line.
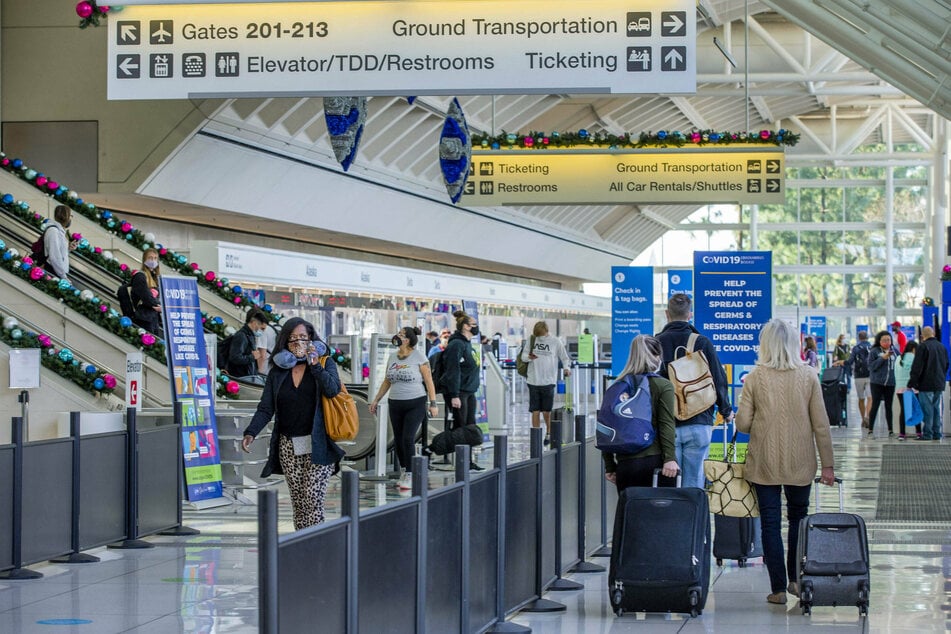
57	243
542	355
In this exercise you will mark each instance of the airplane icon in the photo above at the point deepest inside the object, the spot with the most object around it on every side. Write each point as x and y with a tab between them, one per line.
159	32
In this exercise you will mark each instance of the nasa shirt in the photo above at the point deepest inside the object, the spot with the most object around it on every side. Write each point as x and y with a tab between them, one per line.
544	369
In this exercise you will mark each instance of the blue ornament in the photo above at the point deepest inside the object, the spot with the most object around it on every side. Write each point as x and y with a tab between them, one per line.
84	243
583	133
495	145
218	320
714	137
65	355
224	280
24	206
94	299
111	224
17	163
125	322
76	292
7	199
107	214
236	289
662	135
79	201
113	313
26	266
268	308
75	363
90	369
98	384
16	334
3	245
64	285
7	256
59	191
128	236
181	259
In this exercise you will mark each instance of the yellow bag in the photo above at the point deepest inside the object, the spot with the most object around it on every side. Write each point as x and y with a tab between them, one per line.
729	492
341	419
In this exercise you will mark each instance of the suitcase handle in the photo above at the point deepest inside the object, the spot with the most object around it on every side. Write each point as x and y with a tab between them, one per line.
838	481
657	475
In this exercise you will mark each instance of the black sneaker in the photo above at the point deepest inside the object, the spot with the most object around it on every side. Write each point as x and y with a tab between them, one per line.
547	441
474	467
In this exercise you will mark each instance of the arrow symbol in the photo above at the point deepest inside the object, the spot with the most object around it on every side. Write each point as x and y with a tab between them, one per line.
673	58
128	65
772	166
772	185
127	32
674	24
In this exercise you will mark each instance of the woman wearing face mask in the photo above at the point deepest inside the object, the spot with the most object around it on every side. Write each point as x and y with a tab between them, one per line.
300	448
409	382
460	380
145	284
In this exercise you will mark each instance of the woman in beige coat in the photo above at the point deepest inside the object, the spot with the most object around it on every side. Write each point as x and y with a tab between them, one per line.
781	408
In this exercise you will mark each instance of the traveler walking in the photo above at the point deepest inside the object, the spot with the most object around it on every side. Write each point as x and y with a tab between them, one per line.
902	392
881	366
542	360
857	366
927	377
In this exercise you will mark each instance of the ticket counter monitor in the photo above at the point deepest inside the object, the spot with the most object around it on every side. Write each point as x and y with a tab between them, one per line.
604	350
571	347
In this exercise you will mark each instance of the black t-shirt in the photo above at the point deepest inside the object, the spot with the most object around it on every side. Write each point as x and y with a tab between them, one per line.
296	406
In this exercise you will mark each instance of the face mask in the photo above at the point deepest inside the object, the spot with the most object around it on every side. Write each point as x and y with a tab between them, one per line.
286	359
151	264
396	341
258	333
474	331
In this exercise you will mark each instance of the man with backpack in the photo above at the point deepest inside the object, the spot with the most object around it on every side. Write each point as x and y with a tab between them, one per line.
857	366
52	249
693	432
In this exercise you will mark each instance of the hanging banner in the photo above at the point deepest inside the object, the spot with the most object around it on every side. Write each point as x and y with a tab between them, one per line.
133	380
733	302
632	310
679	281
193	386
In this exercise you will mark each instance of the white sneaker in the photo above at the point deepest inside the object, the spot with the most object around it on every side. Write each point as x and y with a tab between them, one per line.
405	483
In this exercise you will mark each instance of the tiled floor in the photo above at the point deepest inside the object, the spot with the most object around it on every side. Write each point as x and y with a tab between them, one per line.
207	583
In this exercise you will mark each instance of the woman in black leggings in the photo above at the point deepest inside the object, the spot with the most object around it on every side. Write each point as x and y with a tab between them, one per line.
881	365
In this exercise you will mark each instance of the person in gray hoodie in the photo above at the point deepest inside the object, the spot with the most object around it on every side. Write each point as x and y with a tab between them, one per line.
542	355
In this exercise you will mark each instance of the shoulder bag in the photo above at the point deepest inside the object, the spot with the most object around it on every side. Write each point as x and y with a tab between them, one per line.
341	419
729	492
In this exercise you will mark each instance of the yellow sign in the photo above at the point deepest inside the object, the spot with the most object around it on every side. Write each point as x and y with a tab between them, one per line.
551	177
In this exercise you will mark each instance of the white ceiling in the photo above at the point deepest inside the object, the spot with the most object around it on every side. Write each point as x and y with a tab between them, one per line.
807	60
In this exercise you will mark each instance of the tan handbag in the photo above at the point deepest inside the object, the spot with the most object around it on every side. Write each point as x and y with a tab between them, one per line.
729	492
341	419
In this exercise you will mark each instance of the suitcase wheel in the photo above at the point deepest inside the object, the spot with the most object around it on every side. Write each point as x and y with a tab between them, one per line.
694	602
617	596
719	561
742	562
806	609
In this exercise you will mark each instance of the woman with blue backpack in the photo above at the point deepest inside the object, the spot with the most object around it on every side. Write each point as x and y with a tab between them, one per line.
624	403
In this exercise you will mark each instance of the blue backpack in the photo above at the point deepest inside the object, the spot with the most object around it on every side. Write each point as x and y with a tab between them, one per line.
625	424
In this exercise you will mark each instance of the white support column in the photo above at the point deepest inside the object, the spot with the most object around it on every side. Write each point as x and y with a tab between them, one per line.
889	228
939	220
754	227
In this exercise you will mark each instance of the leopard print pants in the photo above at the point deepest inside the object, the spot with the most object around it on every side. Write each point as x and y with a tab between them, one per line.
307	482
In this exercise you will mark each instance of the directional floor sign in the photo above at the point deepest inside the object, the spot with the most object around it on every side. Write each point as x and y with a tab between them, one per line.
407	47
551	177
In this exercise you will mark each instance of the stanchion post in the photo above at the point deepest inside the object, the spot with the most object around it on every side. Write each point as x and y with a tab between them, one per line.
350	508
179	529
421	490
268	614
463	457
540	604
18	572
560	584
582	565
132	486
75	557
500	462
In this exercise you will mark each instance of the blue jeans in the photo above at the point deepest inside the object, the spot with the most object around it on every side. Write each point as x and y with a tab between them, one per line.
693	443
931	409
771	517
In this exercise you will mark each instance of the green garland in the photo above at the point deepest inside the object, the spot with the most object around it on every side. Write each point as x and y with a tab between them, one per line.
662	139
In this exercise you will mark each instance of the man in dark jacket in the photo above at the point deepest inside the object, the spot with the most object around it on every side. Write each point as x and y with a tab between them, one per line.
857	366
693	434
245	352
928	372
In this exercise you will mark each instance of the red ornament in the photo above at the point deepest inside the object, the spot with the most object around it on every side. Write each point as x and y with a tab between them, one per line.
40	181
210	276
51	185
695	137
232	387
84	9
764	134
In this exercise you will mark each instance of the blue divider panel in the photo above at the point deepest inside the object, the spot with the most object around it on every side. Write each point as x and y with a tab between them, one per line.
102	490
388	569
444	560
483	538
6	507
313	589
47	499
158	478
569	505
548	519
520	535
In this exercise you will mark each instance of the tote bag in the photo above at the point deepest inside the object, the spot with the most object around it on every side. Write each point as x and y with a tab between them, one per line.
729	492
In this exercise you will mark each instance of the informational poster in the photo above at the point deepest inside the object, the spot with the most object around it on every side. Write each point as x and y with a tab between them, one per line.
733	302
193	386
815	326
24	368
632	309
585	348
679	281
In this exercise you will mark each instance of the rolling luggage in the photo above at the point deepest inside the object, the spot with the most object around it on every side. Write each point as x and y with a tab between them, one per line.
833	559
738	538
660	559
835	392
445	442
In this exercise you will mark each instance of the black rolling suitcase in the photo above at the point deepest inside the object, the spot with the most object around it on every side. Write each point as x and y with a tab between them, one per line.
738	538
445	442
660	559
835	393
833	559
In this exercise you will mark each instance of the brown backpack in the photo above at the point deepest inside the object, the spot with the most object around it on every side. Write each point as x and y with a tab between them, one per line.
693	382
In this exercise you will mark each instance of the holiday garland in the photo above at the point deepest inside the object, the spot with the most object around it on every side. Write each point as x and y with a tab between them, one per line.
90	13
62	361
124	229
661	139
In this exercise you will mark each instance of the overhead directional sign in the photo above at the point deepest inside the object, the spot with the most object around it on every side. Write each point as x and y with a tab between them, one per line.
550	177
407	47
